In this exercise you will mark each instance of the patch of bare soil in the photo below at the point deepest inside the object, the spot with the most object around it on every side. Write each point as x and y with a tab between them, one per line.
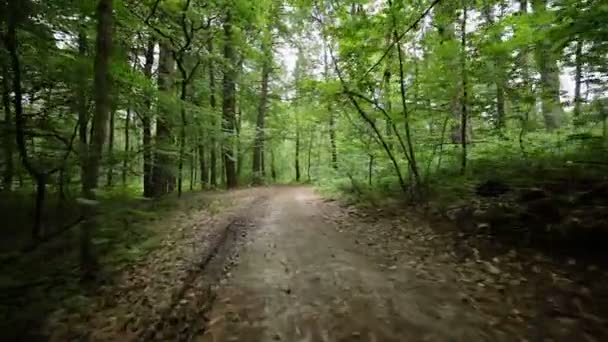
521	293
165	297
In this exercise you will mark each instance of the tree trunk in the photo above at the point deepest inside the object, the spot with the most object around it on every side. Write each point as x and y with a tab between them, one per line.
125	162
463	113
297	152
100	119
82	108
162	177
182	135
193	167
409	153
546	60
498	72
578	78
258	145
12	46
213	130
273	170
147	124
110	179
332	120
204	171
310	140
229	104
8	142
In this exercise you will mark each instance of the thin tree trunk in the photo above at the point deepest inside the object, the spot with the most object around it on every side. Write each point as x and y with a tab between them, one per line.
370	169
410	147
193	168
311	132
332	119
578	77
212	136
8	142
147	124
182	136
125	162
40	178
379	138
100	118
229	104
258	145
110	180
273	170
204	171
463	114
297	152
81	103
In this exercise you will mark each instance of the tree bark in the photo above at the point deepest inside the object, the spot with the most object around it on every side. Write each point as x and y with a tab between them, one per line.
12	45
110	179
99	126
297	152
463	113
8	136
213	118
546	60
125	161
229	104
332	119
147	124
409	153
258	145
162	177
578	78
204	170
182	133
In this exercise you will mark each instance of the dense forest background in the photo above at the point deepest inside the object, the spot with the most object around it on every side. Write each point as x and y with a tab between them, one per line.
108	104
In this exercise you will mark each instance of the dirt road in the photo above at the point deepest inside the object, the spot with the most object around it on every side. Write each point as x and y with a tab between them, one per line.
298	279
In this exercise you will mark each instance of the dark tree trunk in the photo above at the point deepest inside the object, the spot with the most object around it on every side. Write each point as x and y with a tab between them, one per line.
229	105
8	136
297	152
162	178
147	124
273	169
110	179
82	108
182	134
12	45
212	136
100	120
125	162
258	145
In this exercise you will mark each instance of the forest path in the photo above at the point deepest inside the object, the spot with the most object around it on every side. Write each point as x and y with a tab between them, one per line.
299	279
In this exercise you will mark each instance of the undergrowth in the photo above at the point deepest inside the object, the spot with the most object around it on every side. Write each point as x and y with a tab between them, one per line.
42	277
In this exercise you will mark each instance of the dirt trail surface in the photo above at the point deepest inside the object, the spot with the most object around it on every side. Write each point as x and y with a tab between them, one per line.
299	279
283	264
